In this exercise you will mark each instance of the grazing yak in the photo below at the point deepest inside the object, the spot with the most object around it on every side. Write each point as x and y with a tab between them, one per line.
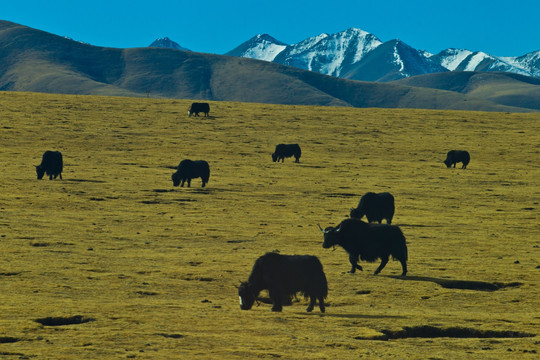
196	108
376	207
369	242
286	150
51	164
284	276
455	156
191	169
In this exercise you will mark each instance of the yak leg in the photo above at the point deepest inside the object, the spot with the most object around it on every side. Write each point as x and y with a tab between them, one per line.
60	176
311	305
404	267
275	296
188	182
203	184
321	304
384	261
353	259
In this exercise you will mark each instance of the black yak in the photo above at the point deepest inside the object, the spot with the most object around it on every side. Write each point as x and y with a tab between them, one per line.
191	169
196	108
51	164
455	156
283	151
369	242
376	207
284	276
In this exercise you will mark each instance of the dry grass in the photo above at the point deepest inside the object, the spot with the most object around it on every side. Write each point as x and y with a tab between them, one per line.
145	270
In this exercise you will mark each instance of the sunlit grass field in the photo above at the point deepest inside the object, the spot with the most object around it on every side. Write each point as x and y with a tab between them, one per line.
148	271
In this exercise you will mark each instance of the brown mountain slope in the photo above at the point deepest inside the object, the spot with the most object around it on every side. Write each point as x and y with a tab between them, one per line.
33	60
499	87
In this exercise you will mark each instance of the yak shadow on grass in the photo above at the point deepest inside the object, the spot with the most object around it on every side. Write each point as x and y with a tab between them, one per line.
430	332
329	313
86	180
64	320
8	339
459	284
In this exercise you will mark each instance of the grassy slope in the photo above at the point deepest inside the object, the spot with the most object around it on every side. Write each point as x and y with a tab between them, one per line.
156	266
500	88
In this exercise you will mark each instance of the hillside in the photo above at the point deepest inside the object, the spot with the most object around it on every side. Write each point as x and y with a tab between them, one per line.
138	269
499	87
33	60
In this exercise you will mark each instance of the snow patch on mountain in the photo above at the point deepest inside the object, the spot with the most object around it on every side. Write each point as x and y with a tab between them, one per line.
264	48
398	60
452	58
474	60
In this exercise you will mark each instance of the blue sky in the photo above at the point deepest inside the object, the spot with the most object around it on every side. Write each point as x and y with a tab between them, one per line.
500	28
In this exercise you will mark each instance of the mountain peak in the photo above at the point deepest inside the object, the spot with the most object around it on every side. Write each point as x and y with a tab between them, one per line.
330	54
165	42
268	38
260	47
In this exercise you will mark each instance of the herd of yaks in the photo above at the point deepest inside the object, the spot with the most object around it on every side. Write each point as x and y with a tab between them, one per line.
283	276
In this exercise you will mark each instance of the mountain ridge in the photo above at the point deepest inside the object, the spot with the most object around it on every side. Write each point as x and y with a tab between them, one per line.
34	60
320	53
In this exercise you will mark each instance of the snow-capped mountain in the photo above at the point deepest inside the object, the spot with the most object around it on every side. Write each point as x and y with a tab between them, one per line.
260	47
359	55
166	43
465	60
529	62
393	60
329	54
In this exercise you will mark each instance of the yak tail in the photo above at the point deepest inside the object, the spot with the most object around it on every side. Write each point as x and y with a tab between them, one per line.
318	280
400	248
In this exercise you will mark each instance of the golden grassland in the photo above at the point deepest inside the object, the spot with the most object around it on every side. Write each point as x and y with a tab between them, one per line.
155	268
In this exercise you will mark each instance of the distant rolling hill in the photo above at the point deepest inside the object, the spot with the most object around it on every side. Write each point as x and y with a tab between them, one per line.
499	87
33	60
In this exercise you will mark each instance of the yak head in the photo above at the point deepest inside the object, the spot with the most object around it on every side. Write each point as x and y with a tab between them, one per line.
448	162
331	236
246	294
357	213
176	179
449	159
274	157
40	171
